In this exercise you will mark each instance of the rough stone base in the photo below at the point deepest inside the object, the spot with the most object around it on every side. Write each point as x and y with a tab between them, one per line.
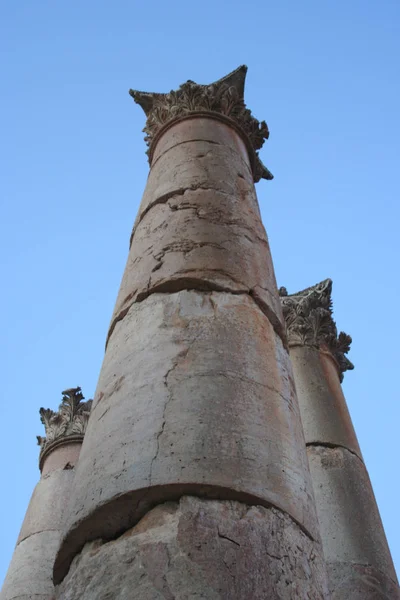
198	548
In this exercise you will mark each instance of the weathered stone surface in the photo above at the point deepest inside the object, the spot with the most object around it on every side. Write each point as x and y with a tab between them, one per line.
199	224
195	396
324	413
215	550
350	524
30	573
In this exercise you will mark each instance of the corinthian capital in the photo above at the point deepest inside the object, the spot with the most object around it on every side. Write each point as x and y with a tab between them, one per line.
309	322
69	421
223	98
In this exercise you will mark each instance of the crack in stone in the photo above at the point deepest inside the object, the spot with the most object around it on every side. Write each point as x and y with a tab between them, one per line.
225	537
276	557
185	142
164	420
164	200
184	246
103	414
204	154
331	445
226	148
181	356
217	218
235	375
186	273
27	537
30	597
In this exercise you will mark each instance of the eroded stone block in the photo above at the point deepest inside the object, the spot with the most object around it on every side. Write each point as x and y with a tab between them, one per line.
196	548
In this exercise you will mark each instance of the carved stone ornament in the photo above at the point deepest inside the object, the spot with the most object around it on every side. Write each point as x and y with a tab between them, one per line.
225	98
309	322
70	420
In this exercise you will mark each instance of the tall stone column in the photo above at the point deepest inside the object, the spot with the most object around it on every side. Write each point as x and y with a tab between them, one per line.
30	574
193	480
355	547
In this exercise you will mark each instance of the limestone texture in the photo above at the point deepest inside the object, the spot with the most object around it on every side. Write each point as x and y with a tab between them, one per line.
175	412
198	548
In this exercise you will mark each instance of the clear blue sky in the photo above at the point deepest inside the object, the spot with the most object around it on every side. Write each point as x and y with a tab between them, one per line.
325	77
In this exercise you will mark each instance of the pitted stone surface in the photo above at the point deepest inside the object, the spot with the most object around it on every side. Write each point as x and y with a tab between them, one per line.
214	550
350	524
201	400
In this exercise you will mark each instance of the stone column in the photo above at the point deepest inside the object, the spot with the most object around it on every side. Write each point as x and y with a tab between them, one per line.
355	547
30	574
194	471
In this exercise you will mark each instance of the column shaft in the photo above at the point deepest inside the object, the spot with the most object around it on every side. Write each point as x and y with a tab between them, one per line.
358	559
195	410
30	574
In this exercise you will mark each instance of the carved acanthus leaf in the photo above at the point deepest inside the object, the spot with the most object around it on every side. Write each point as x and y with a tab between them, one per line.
309	322
224	97
70	419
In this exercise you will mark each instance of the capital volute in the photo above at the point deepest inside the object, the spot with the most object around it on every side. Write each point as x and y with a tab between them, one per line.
223	99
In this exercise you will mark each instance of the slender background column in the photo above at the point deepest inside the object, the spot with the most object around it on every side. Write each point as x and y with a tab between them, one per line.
195	411
30	574
355	547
